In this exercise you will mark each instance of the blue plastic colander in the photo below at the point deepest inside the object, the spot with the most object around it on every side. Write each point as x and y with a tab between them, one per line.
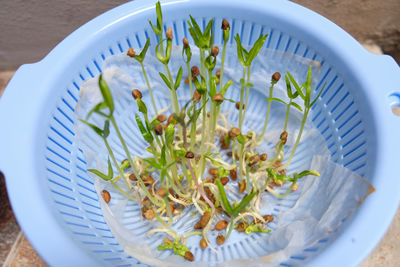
54	199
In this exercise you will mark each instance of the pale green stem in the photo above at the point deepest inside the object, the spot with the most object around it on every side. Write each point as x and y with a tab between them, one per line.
129	185
190	78
271	89
247	95
144	188
241	98
303	122
284	129
221	79
122	191
148	86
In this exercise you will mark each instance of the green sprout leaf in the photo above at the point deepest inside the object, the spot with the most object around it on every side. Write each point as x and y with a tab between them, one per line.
308	172
256	49
165	79
97	109
225	202
256	228
142	54
276	99
319	94
296	86
142	106
178	248
178	78
296	106
226	86
169	134
105	92
106	129
146	134
243	204
107	177
240	50
241	139
94	128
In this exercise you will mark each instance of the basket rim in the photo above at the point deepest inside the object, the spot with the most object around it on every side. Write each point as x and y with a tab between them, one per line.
357	237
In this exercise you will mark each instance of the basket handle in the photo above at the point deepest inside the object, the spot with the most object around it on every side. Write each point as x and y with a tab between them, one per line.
384	72
18	101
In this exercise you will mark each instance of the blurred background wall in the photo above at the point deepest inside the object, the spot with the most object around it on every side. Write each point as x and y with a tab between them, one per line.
30	29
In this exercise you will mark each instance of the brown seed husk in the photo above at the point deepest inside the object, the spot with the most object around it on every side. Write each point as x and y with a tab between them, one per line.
242	226
268	218
218	73
158	129
233	174
168	33
263	157
283	137
220	240
224	180
133	177
161	118
254	159
205	219
224	146
161	192
185	42
237	105
225	25
195	71
148	214
106	196
131	52
189	256
276	76
214	51
242	186
167	241
213	171
136	94
218	98
189	155
203	243
221	225
234	132
196	96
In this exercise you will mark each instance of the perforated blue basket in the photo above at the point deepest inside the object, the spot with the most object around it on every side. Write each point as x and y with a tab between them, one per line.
54	199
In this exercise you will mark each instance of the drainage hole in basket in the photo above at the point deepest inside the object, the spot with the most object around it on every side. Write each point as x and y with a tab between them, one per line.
395	103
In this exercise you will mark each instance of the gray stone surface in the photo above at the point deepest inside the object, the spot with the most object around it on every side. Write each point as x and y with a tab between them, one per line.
30	29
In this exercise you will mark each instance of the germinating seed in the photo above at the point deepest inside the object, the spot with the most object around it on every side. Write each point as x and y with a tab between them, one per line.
136	94
213	172
185	42
225	25
233	174
220	240
221	225
106	196
168	33
131	52
276	76
268	218
263	157
195	71
161	118
215	51
189	256
224	180
203	243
